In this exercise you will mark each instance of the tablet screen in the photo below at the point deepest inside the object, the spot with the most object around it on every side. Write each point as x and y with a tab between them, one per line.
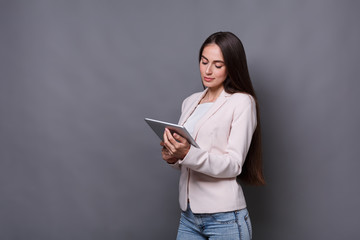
159	127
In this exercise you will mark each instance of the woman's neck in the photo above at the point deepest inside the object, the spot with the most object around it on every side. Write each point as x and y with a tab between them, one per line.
211	95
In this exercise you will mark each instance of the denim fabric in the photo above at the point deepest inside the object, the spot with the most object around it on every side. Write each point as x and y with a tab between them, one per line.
215	226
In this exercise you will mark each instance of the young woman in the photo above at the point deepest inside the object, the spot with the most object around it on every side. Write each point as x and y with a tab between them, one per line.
224	121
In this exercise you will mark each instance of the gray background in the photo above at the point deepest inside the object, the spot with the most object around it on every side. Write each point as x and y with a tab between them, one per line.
77	161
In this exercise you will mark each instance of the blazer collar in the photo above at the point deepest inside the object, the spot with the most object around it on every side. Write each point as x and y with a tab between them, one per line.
217	104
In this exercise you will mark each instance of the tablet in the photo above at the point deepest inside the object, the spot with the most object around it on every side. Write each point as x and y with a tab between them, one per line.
159	127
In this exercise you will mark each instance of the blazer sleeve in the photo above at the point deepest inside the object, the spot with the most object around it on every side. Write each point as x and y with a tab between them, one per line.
230	163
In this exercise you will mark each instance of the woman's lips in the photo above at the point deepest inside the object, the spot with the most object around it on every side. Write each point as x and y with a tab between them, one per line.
207	79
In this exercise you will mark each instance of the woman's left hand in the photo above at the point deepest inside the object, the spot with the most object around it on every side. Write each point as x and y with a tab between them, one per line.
177	146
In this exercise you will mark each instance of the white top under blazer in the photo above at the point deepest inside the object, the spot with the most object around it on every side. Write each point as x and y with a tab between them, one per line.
224	133
199	111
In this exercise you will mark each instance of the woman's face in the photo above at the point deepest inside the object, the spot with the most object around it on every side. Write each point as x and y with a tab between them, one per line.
212	67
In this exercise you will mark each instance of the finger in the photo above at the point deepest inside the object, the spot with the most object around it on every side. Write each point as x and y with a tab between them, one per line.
171	138
167	143
179	138
165	151
171	160
165	138
168	147
166	156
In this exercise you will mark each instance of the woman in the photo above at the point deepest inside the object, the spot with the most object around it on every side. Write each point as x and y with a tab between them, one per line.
224	121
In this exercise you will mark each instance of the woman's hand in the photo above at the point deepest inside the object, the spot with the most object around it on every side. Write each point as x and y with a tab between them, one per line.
166	155
174	147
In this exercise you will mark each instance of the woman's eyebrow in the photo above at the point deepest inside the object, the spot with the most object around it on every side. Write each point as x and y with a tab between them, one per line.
216	61
202	56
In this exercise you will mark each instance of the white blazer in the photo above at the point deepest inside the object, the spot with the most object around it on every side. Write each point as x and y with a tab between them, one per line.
224	133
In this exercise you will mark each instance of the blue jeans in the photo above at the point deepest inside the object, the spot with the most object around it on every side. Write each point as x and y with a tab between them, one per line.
216	226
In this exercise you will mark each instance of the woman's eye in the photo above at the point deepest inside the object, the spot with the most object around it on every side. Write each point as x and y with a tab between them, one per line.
204	63
218	66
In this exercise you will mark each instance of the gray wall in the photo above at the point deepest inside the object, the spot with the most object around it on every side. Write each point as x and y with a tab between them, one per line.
77	161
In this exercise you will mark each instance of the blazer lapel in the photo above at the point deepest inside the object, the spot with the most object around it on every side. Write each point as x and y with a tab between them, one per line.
191	109
217	104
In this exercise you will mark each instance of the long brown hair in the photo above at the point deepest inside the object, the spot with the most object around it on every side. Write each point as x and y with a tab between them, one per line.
238	80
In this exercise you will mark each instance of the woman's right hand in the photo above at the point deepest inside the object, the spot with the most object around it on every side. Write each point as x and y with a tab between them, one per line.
166	155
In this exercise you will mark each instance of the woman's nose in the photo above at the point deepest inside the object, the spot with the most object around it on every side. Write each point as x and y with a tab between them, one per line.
208	69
